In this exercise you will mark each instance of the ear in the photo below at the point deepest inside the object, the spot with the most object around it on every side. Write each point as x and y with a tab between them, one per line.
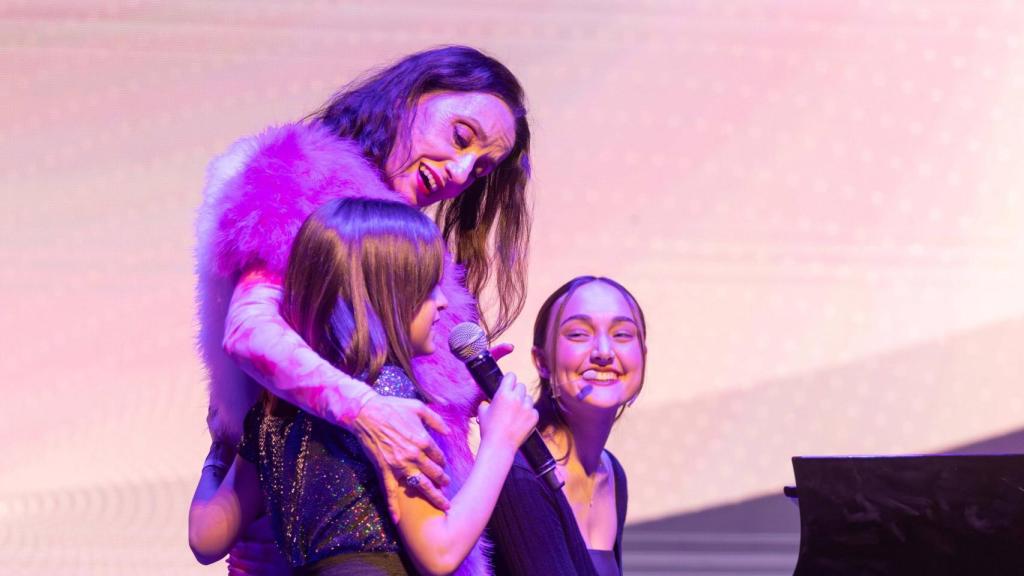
540	362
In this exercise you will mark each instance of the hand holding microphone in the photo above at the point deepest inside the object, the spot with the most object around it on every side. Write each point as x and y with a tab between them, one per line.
510	417
469	344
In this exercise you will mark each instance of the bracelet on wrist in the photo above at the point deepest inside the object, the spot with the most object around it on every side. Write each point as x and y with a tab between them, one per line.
219	468
221	450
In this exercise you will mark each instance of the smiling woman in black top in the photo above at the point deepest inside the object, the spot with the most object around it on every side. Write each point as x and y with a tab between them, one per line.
590	351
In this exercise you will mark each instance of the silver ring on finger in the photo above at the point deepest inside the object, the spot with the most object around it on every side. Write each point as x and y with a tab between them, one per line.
413	480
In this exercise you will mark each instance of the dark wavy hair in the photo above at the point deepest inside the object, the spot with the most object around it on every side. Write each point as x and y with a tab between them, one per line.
548	409
487	227
358	272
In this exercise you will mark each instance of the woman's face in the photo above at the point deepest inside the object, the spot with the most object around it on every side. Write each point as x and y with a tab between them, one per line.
421	331
599	360
454	138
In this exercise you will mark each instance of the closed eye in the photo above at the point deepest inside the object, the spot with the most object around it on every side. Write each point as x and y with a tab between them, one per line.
461	140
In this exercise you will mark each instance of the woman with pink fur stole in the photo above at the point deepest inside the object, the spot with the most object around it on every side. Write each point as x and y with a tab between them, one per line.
445	126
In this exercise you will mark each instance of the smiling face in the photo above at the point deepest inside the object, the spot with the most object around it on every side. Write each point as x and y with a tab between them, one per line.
421	330
594	356
454	139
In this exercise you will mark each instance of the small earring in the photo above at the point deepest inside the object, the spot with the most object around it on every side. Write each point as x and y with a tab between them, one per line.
555	402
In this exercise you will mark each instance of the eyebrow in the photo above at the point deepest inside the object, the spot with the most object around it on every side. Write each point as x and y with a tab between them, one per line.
589	320
475	127
482	135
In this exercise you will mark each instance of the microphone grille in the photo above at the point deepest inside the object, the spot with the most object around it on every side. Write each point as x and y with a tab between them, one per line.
467	340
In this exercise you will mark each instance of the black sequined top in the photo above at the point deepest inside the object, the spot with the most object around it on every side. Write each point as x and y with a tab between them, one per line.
322	493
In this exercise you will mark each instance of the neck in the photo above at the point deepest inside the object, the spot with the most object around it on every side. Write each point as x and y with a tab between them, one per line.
589	436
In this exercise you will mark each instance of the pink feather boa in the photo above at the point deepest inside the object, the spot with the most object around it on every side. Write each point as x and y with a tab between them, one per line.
258	194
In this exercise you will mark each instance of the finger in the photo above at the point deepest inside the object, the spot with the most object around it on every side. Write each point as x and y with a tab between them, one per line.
431	494
481	411
435	473
508	383
431	418
241	551
527	400
515	389
241	564
255	551
433	453
391	488
387	479
499	351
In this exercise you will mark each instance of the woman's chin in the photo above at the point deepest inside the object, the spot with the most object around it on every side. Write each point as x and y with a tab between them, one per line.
425	349
409	190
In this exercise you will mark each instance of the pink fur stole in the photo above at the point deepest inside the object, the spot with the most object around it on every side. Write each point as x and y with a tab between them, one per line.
258	193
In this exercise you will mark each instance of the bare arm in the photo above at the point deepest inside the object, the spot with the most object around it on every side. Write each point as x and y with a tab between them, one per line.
438	542
222	509
391	429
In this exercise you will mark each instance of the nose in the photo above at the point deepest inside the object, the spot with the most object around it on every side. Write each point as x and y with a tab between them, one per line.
440	300
460	169
601	353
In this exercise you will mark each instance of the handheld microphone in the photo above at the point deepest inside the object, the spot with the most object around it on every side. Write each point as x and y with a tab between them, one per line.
469	344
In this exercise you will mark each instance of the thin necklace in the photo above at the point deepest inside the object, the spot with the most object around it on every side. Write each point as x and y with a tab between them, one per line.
594	483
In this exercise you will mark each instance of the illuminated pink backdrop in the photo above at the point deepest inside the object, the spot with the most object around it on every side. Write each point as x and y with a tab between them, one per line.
819	204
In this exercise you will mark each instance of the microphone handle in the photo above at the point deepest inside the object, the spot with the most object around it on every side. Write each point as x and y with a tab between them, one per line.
488	376
537	454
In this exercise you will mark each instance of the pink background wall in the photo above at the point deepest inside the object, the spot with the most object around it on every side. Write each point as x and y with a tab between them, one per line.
818	203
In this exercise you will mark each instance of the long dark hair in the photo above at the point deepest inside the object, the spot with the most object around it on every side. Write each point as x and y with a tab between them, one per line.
358	272
550	414
487	226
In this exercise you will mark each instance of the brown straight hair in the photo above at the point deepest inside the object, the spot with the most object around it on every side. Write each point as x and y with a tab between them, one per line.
358	272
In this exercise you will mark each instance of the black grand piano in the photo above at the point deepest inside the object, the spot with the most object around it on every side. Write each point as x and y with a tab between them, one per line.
910	515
